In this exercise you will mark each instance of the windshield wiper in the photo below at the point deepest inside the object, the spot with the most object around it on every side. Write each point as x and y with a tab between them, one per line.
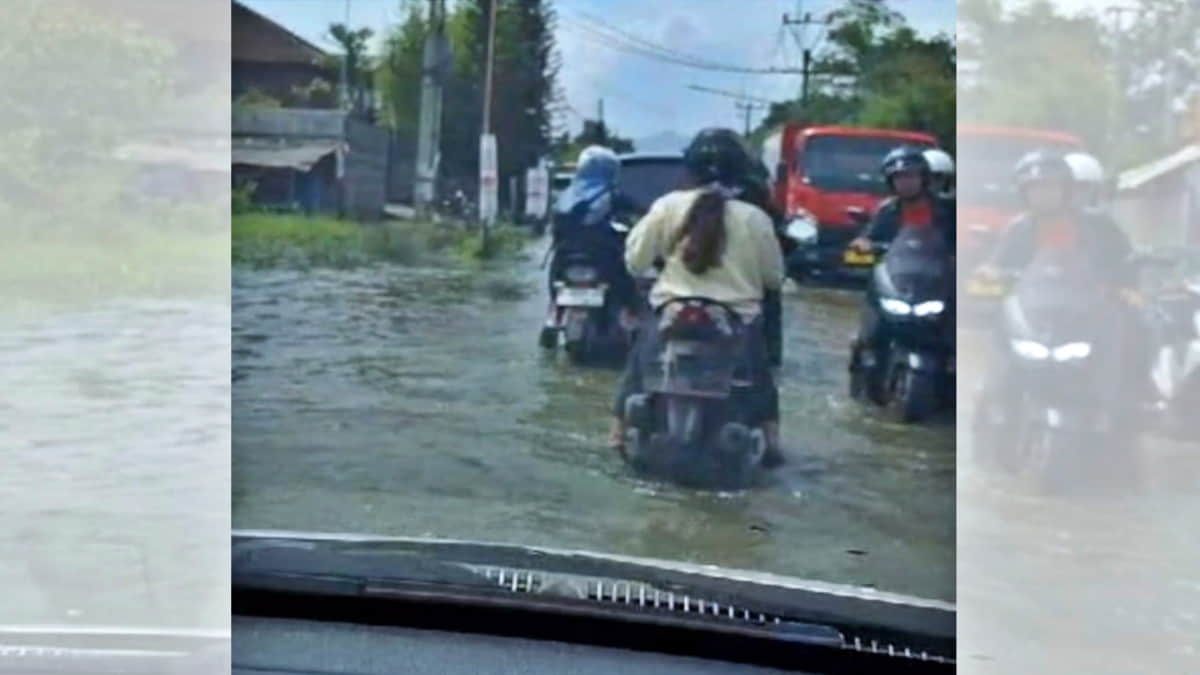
480	575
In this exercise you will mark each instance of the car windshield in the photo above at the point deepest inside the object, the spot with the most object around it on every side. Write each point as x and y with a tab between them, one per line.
986	181
644	181
451	370
847	163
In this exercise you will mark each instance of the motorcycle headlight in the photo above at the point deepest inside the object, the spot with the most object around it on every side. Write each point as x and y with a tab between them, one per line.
894	306
929	308
1031	350
1074	350
802	228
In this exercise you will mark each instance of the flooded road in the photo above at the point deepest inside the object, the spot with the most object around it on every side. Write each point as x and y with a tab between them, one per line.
1100	584
415	401
114	422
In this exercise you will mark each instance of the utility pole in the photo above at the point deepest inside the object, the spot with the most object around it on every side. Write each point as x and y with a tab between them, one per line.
747	108
797	25
487	82
429	134
345	70
746	105
488	185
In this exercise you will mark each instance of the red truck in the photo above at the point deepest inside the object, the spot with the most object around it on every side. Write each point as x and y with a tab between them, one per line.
987	200
826	180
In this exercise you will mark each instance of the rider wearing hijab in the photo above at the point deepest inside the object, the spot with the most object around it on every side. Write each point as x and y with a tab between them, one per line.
583	221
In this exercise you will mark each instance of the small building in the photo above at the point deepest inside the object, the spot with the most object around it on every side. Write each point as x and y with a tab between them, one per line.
268	58
316	161
1159	202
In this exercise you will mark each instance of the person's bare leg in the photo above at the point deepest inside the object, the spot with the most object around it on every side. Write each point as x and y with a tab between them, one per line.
616	435
774	455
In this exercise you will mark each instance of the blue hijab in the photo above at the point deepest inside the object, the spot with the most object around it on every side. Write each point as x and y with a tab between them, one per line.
591	190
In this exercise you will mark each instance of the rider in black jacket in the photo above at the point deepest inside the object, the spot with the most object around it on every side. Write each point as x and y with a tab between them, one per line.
907	173
1053	218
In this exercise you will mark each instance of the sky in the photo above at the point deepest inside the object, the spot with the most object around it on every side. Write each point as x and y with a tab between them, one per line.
643	96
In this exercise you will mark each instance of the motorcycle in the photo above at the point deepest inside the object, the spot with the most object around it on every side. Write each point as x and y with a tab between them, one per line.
692	423
1176	369
912	287
586	318
813	261
1064	409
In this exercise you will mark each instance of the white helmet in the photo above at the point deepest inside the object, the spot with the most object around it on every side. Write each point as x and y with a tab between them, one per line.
939	161
1086	168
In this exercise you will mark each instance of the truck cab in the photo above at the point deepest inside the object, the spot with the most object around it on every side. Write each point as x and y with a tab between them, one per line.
987	199
826	181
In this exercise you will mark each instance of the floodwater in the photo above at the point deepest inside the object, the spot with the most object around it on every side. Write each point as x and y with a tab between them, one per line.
415	401
114	425
1105	581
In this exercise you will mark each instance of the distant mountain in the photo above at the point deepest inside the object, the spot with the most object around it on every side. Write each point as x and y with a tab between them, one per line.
663	141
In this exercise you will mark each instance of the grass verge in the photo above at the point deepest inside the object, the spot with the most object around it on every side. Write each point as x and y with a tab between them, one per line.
285	240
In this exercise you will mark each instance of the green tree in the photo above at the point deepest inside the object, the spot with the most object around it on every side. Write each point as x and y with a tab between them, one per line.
524	74
1036	68
65	113
566	149
876	71
358	66
399	73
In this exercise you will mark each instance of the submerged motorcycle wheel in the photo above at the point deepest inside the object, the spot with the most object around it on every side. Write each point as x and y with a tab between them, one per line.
912	395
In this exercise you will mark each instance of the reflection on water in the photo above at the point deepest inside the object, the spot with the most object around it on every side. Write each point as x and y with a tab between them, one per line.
1107	583
416	402
115	424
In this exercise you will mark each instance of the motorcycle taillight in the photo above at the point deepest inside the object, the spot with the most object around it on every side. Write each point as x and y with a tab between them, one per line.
580	274
693	316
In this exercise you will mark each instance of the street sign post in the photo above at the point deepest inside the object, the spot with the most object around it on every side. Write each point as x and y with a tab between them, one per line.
488	180
537	184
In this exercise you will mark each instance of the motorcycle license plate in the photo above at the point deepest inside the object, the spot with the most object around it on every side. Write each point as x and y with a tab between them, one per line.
570	296
981	289
857	258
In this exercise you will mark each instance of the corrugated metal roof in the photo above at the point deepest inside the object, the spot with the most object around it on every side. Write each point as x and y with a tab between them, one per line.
292	155
1136	177
258	38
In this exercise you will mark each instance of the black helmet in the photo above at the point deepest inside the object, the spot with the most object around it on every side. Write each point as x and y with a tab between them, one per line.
717	154
904	158
1042	165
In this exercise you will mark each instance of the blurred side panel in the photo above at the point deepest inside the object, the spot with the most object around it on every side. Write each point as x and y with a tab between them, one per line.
1079	441
114	335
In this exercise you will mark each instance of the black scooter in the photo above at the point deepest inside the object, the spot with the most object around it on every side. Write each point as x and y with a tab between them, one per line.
912	288
586	318
691	424
1064	407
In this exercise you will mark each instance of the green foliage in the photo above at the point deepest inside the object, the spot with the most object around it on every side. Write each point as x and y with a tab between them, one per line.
566	149
1043	69
398	76
283	240
876	71
1038	69
359	68
256	98
523	83
242	197
75	84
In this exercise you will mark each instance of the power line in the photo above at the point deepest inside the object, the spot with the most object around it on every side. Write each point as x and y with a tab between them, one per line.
640	41
610	43
730	94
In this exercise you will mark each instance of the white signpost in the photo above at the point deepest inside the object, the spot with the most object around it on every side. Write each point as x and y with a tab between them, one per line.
488	178
537	186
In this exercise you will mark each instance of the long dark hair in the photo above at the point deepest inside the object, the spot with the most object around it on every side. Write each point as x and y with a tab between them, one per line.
703	232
